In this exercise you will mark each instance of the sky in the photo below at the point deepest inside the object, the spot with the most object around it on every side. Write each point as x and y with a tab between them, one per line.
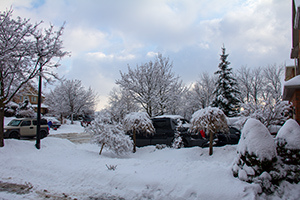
106	36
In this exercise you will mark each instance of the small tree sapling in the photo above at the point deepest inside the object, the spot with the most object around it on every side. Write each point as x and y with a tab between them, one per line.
211	120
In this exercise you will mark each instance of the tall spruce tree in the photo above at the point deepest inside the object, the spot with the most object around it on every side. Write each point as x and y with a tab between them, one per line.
226	92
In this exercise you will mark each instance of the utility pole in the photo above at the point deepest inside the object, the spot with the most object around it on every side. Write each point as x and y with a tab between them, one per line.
38	126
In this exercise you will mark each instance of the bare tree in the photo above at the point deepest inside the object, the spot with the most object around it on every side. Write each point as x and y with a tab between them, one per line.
72	97
204	88
273	74
121	103
244	79
153	85
24	51
257	84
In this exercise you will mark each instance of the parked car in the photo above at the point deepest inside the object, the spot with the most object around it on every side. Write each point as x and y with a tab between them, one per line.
165	130
232	137
86	120
25	127
54	123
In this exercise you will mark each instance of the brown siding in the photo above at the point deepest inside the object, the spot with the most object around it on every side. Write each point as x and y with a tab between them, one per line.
296	102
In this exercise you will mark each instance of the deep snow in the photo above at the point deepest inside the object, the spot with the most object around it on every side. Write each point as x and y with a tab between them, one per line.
77	171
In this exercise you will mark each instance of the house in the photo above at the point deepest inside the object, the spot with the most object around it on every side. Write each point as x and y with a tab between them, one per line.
29	93
291	91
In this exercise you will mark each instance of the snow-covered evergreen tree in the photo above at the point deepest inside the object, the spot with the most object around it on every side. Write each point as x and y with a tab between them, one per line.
210	120
108	133
257	156
226	92
138	123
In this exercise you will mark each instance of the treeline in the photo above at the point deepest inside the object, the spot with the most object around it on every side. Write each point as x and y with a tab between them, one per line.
154	88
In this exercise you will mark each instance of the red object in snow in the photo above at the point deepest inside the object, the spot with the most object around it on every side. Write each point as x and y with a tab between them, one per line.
202	133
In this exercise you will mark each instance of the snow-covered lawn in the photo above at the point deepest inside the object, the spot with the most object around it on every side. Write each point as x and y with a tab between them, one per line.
64	170
78	171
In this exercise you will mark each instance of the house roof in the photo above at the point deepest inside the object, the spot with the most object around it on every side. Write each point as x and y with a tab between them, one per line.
290	86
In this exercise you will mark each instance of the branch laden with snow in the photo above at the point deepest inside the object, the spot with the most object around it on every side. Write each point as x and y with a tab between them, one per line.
109	134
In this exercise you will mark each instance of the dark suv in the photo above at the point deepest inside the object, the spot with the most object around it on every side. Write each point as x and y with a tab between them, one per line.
166	127
165	130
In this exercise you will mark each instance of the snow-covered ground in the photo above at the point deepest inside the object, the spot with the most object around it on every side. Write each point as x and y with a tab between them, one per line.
64	170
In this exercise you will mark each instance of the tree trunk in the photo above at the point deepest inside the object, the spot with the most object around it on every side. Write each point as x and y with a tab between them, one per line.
134	141
101	148
72	121
211	143
2	125
61	119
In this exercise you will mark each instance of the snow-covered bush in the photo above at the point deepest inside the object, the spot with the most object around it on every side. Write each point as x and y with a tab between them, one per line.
25	109
257	156
108	133
288	148
267	112
177	142
138	122
210	120
10	109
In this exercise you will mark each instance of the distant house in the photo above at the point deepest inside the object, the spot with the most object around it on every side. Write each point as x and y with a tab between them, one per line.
29	93
291	90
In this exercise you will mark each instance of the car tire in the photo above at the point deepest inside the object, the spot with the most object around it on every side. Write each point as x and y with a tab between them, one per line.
14	135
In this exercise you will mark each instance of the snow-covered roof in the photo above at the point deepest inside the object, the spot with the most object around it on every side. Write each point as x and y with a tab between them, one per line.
42	105
290	86
170	116
293	81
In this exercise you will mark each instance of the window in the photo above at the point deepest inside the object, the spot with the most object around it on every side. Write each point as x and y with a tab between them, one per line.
26	123
14	123
33	99
43	122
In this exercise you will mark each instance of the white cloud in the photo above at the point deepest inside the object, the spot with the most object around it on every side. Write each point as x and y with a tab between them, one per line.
152	54
81	40
105	36
102	56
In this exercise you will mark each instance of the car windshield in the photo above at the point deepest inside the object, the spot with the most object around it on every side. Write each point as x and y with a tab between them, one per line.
14	122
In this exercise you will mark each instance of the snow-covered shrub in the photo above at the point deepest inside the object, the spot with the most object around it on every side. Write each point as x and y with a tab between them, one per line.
108	133
288	149
267	112
10	109
138	122
211	120
257	156
177	142
25	109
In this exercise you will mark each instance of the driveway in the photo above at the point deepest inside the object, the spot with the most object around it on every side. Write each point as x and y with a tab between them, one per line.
77	138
